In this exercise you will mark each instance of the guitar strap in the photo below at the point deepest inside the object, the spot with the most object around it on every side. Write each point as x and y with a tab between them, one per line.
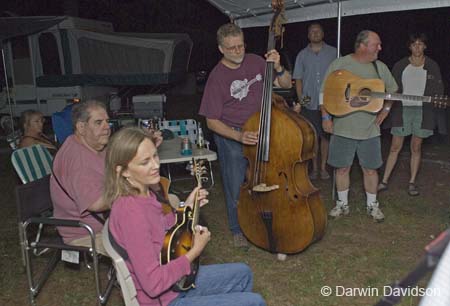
117	247
376	69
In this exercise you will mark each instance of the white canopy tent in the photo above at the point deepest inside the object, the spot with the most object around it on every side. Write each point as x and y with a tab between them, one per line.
255	13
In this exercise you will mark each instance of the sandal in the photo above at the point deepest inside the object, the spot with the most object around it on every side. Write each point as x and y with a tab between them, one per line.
413	190
382	187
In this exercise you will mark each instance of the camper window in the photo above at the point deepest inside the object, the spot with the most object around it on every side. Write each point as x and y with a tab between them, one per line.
48	49
21	61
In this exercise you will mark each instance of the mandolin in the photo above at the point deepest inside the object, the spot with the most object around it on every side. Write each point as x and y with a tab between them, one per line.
346	93
179	239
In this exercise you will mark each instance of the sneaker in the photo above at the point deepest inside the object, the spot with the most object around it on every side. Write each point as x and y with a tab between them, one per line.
240	241
341	209
375	212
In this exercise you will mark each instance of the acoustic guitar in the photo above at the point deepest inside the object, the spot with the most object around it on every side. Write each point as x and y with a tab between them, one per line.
345	93
179	239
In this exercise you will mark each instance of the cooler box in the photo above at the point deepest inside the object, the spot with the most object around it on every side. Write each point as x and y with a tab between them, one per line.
149	106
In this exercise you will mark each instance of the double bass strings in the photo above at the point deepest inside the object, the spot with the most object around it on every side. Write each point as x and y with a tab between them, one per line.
264	127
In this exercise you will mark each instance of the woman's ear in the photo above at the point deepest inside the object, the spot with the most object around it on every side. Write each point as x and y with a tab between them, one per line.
119	170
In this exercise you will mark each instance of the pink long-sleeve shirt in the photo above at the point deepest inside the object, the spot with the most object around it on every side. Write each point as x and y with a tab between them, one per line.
139	225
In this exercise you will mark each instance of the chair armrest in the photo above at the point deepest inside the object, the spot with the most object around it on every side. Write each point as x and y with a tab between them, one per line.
54	221
63	223
60	222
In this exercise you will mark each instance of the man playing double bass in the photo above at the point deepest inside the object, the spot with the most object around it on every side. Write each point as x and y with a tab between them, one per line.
233	94
359	132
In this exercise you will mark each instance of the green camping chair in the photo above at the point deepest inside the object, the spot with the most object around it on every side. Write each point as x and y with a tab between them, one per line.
32	163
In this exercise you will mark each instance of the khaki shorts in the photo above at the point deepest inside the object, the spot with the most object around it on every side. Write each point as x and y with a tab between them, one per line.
412	123
86	242
342	152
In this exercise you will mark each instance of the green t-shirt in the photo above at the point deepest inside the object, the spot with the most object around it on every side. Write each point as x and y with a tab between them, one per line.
360	125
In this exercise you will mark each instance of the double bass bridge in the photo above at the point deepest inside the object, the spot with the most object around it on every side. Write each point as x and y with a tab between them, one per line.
264	188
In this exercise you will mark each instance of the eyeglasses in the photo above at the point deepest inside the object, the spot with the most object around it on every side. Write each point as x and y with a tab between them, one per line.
234	48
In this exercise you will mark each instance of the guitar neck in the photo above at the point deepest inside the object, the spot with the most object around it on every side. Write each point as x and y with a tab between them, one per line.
397	96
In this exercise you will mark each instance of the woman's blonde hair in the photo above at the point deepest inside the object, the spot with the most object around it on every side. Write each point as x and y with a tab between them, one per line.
121	149
25	118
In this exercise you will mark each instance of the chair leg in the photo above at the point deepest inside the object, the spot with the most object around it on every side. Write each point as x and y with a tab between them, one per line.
22	243
38	237
104	296
36	287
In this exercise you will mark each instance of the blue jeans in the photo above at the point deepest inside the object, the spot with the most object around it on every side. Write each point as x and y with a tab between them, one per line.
221	285
233	166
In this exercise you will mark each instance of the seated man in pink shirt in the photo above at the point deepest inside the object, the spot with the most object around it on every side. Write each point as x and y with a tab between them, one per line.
76	185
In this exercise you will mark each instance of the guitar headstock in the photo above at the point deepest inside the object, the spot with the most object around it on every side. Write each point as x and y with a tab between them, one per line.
440	101
200	171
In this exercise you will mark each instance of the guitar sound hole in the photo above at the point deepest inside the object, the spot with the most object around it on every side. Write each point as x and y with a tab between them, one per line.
364	94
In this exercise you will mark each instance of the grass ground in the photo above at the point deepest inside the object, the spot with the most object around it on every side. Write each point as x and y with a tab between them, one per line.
354	253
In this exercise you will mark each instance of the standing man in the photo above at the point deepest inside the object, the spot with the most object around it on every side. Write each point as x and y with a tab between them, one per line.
233	93
76	185
359	132
310	67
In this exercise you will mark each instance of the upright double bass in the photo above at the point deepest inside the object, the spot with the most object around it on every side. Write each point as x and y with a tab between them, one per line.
279	209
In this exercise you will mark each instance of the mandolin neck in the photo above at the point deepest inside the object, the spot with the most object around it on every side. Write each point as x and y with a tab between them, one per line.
196	209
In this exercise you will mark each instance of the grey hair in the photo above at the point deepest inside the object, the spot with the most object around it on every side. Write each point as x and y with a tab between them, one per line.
81	111
362	38
228	29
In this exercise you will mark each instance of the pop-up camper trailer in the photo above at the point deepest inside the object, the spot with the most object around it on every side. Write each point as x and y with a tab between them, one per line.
50	61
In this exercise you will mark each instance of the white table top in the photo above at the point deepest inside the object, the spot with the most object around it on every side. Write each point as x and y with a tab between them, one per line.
170	152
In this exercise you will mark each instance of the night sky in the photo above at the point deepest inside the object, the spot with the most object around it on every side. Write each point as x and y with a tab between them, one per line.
201	20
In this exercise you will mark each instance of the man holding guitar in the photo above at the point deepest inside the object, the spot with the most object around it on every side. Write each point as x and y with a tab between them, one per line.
358	132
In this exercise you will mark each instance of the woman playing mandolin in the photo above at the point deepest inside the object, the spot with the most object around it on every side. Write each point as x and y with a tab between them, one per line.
138	225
